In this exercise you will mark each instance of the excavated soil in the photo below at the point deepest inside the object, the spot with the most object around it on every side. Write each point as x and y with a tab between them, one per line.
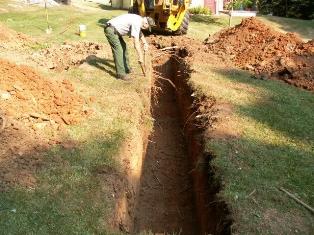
9	39
33	113
256	47
56	57
183	46
27	94
70	54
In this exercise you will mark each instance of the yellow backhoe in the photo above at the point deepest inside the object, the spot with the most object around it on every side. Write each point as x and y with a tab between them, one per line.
169	15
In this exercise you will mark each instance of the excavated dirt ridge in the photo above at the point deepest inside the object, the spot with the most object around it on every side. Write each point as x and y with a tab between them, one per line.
256	47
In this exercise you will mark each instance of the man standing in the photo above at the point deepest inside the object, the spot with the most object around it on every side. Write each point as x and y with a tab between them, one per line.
127	24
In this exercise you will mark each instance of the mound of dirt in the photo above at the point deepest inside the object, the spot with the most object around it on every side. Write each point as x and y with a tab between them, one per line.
254	46
12	39
67	55
25	95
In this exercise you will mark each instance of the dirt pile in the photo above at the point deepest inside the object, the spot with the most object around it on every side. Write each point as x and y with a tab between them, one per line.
27	96
254	46
11	39
67	55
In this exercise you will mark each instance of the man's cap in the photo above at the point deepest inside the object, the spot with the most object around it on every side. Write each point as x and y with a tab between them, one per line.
150	22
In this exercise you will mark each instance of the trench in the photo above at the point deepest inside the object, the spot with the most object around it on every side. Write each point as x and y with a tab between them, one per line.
177	190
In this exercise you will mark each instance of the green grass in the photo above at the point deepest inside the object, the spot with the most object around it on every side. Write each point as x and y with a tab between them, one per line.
69	198
304	28
201	25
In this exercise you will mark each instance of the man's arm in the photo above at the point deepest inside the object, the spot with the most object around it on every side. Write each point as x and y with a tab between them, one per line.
137	46
144	41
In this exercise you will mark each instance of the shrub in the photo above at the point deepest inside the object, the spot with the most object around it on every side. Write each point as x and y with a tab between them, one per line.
241	4
200	10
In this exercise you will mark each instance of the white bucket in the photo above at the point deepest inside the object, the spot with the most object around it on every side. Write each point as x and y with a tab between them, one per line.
82	30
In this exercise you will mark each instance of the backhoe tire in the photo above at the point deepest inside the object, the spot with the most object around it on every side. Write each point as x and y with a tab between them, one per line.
184	25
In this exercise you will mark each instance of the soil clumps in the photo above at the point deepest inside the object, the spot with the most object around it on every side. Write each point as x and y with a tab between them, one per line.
256	47
70	54
10	39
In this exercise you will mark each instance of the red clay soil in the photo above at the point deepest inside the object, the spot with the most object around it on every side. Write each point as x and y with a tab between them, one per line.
31	93
256	47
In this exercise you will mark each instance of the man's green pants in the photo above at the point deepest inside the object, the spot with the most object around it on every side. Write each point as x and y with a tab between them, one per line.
119	51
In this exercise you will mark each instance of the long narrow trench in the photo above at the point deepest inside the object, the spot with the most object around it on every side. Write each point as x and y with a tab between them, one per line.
165	203
178	188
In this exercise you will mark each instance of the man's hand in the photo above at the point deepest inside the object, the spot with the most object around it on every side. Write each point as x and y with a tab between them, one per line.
146	46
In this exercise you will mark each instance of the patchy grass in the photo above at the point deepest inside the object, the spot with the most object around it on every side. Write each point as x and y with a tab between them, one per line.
68	199
71	196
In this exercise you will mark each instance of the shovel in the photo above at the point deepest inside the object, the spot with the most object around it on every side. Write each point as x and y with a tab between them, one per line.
143	65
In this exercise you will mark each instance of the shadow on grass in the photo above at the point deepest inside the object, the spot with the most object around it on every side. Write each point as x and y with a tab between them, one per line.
108	7
205	20
285	108
102	64
73	192
250	165
267	156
